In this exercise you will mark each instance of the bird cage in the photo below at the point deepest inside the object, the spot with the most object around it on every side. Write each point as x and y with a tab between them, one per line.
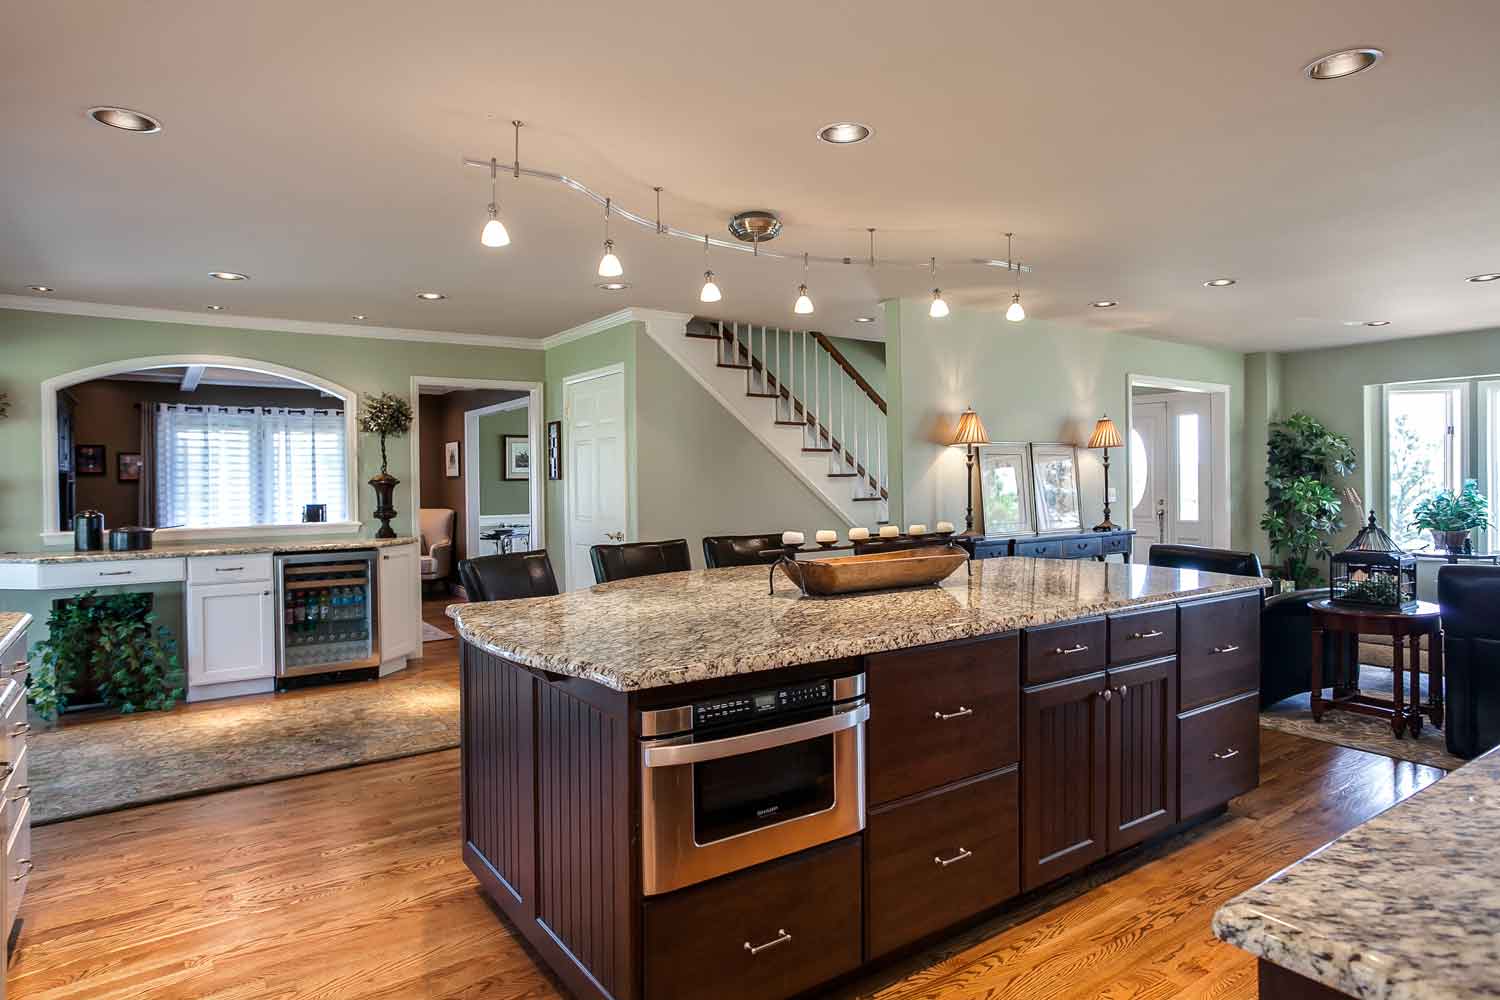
1373	572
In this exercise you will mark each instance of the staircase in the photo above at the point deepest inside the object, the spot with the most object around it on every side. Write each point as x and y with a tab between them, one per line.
797	392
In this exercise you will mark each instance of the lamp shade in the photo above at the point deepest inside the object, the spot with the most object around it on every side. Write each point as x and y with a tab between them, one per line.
1106	435
970	429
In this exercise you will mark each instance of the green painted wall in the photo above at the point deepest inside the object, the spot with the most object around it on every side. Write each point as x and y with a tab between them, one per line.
1262	405
35	346
497	495
867	357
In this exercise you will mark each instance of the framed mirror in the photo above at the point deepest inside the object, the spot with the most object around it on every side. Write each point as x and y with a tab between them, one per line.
1055	472
1005	490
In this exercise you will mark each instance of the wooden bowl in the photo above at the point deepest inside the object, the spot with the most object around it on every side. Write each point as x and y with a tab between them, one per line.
875	571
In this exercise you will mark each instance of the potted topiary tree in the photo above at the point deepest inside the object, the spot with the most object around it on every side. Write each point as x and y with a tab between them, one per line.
387	415
1302	510
1451	516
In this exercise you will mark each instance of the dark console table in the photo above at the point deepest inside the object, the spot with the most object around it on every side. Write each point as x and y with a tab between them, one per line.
1079	545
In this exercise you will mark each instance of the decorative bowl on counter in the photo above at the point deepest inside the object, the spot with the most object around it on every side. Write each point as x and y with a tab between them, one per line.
874	571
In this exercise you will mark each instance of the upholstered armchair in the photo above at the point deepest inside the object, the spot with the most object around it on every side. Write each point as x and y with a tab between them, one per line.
1470	597
436	527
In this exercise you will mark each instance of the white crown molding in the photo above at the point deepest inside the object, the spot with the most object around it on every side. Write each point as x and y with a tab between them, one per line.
630	314
255	323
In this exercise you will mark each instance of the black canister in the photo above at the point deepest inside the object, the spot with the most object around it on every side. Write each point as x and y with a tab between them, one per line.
88	531
315	513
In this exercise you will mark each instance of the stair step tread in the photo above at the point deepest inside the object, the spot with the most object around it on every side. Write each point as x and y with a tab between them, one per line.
703	336
792	423
725	364
843	475
818	449
763	395
869	499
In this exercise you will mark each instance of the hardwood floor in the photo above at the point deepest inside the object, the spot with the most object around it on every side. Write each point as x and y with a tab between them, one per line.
348	886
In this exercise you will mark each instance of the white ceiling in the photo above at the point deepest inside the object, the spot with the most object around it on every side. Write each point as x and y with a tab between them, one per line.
1136	149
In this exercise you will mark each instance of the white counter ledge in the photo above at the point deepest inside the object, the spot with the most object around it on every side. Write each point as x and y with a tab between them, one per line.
179	550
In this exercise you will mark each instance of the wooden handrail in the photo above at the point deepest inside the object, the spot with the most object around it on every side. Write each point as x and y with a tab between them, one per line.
843	362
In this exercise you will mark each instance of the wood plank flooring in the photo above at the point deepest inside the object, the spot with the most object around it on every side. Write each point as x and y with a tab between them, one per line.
348	886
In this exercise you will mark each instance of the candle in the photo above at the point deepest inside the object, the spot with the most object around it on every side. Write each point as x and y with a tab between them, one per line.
859	534
917	529
889	531
826	537
791	538
944	527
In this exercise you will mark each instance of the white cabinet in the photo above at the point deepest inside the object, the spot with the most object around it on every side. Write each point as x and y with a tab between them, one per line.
400	595
231	631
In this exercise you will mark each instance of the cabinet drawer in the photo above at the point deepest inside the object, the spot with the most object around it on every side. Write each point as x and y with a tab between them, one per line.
941	713
15	659
1142	635
13	724
770	932
229	569
941	858
110	573
16	789
992	549
1081	548
1113	544
1219	753
1039	549
1067	650
17	865
1220	649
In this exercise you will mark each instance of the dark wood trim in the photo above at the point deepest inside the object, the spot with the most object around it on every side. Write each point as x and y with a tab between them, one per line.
843	362
1284	984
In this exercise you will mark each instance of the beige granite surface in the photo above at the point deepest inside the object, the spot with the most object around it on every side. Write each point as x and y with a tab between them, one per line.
1404	907
177	550
675	628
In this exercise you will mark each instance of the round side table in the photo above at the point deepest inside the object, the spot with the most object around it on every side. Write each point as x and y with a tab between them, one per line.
1405	628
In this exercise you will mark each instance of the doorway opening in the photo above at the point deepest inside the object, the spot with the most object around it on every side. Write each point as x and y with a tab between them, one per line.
1177	459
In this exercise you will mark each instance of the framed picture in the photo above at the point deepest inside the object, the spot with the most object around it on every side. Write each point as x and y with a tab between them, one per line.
89	459
128	466
554	449
1005	489
516	448
450	459
1054	467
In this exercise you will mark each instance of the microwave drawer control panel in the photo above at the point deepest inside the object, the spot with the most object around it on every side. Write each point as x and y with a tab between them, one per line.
759	704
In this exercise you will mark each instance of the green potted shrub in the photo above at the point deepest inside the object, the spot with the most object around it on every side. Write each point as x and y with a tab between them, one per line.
1451	516
112	640
388	416
1302	510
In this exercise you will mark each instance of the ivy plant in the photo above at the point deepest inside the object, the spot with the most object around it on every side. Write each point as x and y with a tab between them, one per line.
1303	510
113	641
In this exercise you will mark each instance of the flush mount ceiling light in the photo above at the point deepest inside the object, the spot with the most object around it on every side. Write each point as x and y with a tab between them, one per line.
1378	322
845	133
229	275
43	289
125	120
1337	65
755	226
1218	283
1104	304
939	308
359	316
613	286
431	296
1481	278
214	308
1016	313
864	319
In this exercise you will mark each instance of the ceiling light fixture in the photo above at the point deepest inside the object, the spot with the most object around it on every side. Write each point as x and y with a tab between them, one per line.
1016	313
613	286
609	264
1337	65
43	289
710	291
1104	304
864	319
1218	283
359	316
494	233
845	133
431	296
804	305
939	308
214	308
125	120
1481	278
229	275
1378	322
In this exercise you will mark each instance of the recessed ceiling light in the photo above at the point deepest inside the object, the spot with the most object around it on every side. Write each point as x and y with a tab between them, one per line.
215	308
1337	65
864	319
431	296
844	133
613	286
1378	322
1104	304
1219	283
44	289
1475	278
359	316
125	120
229	275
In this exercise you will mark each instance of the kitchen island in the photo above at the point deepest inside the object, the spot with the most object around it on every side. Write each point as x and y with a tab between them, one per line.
683	786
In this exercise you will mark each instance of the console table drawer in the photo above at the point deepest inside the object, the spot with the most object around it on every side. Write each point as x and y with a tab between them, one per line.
1052	549
1114	543
941	858
110	573
770	932
1220	651
1081	548
1067	650
1219	753
1142	635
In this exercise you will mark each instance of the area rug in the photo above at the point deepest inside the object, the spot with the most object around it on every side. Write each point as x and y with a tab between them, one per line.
1361	732
431	633
93	767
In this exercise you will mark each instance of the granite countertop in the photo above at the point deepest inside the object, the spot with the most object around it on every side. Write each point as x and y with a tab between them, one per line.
10	621
1404	907
675	628
177	550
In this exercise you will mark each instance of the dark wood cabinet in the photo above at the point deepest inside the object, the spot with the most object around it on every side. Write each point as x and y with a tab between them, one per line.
1219	649
1142	751
1064	777
1066	650
1220	746
942	857
498	813
1142	635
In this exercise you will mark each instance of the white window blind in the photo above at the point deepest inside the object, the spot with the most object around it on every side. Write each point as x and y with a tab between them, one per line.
229	466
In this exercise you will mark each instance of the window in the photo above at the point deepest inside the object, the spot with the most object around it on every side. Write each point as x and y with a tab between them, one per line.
1489	451
1188	457
1424	451
220	467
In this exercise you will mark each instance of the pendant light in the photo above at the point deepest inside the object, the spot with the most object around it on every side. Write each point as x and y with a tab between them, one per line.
609	264
494	234
710	291
1016	312
939	308
804	306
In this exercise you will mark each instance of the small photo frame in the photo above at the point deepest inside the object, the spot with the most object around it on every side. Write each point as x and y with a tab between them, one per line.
554	449
516	450
1054	467
450	459
128	466
1005	489
88	459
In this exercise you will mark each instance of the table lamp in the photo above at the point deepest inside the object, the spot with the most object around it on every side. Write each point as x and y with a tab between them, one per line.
1106	435
970	434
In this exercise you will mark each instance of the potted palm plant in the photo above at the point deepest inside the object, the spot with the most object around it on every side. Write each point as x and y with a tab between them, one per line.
1451	516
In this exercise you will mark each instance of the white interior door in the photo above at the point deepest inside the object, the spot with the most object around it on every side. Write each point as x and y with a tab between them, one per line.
595	471
1190	505
1148	478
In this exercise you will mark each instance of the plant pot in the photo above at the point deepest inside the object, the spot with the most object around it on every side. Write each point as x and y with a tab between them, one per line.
1450	541
385	503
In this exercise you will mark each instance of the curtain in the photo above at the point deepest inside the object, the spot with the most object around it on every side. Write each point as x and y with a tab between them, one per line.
145	496
228	466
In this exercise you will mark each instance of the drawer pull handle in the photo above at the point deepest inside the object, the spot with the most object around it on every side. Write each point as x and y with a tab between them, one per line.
1080	648
960	856
29	867
1106	694
963	710
1226	649
19	667
782	937
229	569
117	572
1123	689
22	792
1155	633
22	728
1226	754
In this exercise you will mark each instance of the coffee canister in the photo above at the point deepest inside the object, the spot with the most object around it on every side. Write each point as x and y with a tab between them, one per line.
88	531
315	512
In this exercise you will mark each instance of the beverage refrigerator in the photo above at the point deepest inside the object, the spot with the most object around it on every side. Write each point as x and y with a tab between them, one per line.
326	606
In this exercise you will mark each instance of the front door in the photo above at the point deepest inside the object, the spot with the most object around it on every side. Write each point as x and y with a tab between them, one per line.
1191	504
595	473
1148	480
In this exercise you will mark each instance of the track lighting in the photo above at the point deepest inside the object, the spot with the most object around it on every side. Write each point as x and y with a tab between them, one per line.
710	291
494	234
1016	312
804	306
939	308
609	264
